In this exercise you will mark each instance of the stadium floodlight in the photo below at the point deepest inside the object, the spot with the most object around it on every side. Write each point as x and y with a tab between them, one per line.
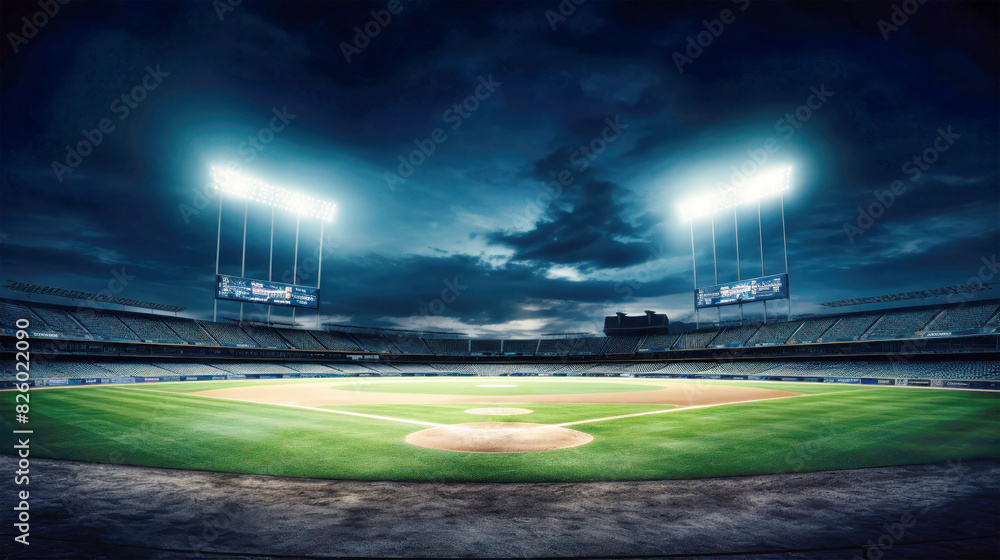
241	186
760	185
746	190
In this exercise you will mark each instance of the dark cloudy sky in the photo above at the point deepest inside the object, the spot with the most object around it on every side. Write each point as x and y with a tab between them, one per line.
483	210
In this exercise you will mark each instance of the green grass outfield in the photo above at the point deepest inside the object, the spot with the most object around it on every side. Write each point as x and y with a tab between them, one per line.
833	427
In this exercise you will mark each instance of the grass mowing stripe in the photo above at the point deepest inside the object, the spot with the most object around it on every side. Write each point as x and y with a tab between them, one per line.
390	419
679	409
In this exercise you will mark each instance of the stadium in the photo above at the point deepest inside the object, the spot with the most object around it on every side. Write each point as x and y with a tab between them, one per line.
588	280
826	393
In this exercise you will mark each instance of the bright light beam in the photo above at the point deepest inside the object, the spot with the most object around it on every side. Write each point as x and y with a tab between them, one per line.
760	185
241	186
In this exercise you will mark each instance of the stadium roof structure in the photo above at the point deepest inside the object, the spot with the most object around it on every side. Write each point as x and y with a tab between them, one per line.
29	288
377	330
920	294
263	323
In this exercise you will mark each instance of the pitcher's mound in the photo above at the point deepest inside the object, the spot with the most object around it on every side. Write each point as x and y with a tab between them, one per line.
499	437
499	411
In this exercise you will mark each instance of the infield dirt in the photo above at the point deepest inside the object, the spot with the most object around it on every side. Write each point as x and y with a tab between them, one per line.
677	394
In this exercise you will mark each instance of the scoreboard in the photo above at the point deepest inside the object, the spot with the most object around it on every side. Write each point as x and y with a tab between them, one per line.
742	291
248	290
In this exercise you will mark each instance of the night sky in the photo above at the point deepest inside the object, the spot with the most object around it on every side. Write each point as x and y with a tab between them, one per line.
500	168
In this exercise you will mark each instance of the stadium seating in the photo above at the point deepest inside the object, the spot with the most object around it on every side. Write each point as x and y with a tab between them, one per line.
555	346
646	367
849	328
104	325
687	367
958	370
971	315
744	368
41	369
773	333
187	368
375	343
352	368
336	341
485	346
313	369
250	368
133	369
811	330
408	343
900	324
265	337
695	340
61	322
734	336
520	347
589	346
415	368
448	346
11	311
81	369
621	345
657	343
168	371
300	339
383	369
150	329
227	334
189	330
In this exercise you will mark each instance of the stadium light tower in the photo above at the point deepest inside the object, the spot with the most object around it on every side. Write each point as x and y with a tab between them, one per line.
230	182
763	184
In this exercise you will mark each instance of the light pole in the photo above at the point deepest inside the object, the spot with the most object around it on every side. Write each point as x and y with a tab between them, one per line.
234	184
761	184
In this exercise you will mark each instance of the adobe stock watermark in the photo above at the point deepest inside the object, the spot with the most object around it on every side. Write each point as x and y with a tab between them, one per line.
900	15
122	106
894	532
223	7
425	147
913	167
31	25
696	44
256	142
563	11
249	149
363	35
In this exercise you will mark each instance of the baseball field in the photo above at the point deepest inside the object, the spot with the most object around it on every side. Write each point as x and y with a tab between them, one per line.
509	429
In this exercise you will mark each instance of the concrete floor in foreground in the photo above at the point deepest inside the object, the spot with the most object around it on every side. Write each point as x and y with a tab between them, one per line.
84	510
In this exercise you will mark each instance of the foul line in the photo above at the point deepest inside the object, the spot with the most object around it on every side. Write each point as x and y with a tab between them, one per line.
574	423
375	416
436	425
